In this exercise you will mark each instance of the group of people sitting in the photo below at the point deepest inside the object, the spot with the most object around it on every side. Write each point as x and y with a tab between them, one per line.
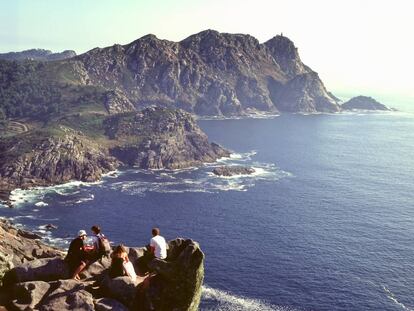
80	255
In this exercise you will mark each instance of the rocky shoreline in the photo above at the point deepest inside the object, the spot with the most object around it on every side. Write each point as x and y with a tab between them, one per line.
35	277
154	138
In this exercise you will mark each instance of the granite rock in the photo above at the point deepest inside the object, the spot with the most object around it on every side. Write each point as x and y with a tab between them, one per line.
364	103
228	171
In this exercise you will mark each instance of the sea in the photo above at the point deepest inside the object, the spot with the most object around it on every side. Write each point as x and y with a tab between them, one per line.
326	222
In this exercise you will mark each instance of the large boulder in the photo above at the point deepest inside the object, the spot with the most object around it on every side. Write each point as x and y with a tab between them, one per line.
68	295
108	304
58	295
29	294
96	268
46	269
183	275
120	288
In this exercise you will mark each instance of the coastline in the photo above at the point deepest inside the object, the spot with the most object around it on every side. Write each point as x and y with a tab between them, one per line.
8	188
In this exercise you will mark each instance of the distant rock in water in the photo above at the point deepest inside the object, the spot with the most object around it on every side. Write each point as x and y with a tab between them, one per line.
364	103
228	171
37	54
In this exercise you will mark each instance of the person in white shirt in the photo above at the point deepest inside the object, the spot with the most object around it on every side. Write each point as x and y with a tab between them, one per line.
158	245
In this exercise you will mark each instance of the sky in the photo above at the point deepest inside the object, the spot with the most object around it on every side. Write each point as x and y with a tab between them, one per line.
357	47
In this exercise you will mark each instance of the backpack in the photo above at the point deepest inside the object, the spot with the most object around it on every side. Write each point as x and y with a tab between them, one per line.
104	246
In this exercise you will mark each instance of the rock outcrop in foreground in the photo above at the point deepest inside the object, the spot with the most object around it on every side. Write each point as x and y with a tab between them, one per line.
364	103
43	284
18	247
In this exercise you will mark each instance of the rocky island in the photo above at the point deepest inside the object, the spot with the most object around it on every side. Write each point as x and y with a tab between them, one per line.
364	103
34	276
228	171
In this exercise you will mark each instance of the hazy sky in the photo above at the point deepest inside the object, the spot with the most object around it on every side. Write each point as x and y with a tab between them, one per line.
362	46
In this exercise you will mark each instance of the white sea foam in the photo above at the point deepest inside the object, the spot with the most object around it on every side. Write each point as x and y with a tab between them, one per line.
48	238
41	203
89	197
250	115
181	181
113	174
24	216
36	194
392	297
225	301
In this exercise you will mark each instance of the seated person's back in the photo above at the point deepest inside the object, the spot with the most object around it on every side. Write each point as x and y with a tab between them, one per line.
158	244
120	265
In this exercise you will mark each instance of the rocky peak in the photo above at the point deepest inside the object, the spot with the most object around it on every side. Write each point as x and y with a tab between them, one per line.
215	39
286	55
147	41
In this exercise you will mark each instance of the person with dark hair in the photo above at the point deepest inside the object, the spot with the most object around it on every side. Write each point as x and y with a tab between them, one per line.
76	256
121	265
158	245
101	244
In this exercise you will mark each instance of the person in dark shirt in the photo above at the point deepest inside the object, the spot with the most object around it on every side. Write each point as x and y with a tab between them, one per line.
76	257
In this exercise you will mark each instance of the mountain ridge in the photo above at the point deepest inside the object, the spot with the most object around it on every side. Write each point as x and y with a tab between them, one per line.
37	54
208	74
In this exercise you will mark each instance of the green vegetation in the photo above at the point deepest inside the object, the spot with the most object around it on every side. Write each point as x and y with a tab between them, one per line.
34	90
89	124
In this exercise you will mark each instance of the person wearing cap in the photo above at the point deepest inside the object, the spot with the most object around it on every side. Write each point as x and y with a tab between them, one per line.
76	257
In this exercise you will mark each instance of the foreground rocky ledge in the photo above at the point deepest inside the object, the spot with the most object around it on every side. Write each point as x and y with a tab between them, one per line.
38	283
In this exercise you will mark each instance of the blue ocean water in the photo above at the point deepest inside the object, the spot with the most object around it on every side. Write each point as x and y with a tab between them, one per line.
326	223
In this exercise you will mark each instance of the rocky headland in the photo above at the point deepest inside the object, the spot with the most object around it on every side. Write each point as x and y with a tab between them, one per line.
364	103
208	74
77	147
34	276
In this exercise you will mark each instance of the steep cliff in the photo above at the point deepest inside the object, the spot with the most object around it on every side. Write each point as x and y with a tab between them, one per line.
209	73
164	139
